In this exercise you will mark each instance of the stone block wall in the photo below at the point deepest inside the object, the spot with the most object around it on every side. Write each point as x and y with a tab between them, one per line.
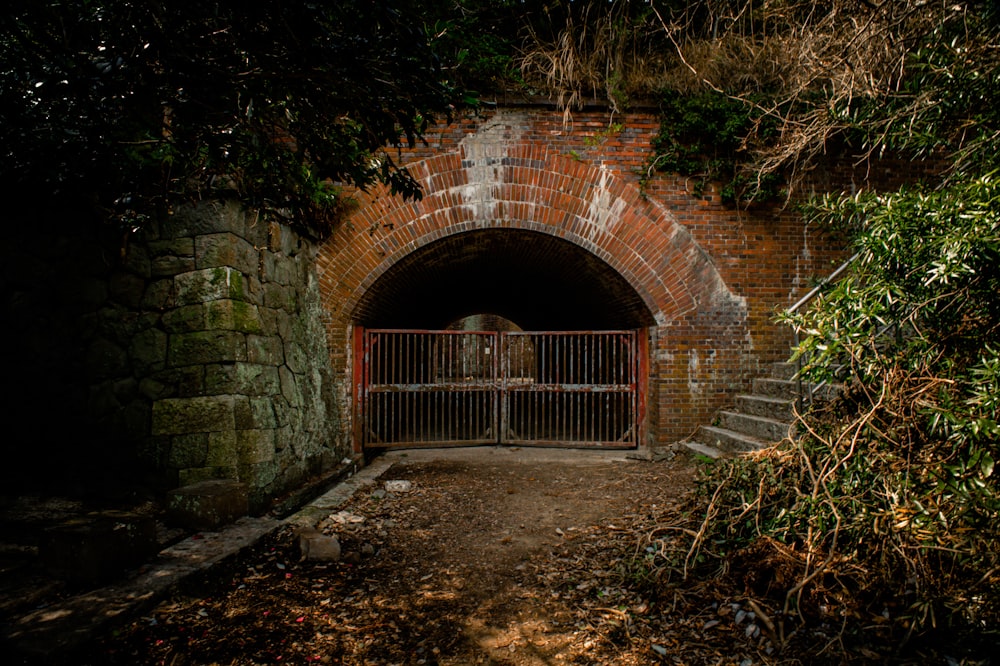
192	350
241	377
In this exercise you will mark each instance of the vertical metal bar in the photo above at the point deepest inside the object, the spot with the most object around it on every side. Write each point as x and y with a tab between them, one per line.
555	362
496	342
568	356
386	342
378	426
444	396
593	345
433	404
506	350
611	407
478	405
398	370
460	422
370	416
362	367
447	396
408	420
396	364
615	406
550	413
415	362
457	378
378	410
574	398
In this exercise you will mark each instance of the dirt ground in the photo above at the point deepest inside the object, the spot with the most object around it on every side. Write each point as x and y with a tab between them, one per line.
501	557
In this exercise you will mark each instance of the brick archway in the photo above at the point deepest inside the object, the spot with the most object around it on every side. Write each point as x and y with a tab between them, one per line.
499	178
527	188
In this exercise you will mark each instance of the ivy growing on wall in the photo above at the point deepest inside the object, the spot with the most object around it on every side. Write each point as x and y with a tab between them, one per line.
705	135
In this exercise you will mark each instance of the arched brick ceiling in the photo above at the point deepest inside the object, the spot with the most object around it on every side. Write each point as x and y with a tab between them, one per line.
538	281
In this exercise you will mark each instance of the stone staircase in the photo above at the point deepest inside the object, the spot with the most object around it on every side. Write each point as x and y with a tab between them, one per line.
757	420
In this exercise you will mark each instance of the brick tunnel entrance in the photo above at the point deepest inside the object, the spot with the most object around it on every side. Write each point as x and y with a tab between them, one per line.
500	336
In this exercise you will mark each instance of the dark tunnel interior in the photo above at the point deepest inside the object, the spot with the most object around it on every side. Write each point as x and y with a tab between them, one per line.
539	282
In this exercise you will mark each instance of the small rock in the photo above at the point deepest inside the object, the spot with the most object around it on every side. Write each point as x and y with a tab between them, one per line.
345	517
398	486
353	557
316	546
740	616
660	650
368	549
379	493
709	624
752	631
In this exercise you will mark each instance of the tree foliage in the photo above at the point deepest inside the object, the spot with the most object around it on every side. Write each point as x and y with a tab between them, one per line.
131	103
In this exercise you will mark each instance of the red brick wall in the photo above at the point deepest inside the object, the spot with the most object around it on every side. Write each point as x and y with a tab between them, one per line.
712	277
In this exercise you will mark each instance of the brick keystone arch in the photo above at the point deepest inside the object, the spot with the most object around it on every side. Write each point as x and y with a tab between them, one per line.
490	184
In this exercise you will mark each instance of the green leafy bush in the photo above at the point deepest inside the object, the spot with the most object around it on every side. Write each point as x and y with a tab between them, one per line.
705	135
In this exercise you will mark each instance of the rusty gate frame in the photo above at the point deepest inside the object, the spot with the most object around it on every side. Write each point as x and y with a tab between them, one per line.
500	390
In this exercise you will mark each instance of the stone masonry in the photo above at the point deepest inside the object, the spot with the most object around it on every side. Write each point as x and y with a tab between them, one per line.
190	350
239	371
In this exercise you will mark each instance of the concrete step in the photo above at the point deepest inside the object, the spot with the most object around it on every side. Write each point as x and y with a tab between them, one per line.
785	389
704	449
788	389
758	427
779	409
728	440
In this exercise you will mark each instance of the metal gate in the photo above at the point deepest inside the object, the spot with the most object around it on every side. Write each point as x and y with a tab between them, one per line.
459	388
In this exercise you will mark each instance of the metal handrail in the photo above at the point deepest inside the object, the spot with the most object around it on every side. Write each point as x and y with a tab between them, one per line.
805	394
822	283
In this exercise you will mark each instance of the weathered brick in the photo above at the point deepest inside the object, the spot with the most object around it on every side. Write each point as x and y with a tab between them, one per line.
706	273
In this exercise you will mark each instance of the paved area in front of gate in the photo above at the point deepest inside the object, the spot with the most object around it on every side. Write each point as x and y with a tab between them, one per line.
499	556
59	625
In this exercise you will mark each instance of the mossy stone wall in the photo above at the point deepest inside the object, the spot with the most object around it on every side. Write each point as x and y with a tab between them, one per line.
140	362
245	380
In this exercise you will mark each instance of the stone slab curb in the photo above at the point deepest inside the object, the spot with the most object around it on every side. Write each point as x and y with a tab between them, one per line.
61	627
321	507
44	635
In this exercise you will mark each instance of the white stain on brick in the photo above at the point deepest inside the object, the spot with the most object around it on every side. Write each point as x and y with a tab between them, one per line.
484	156
803	265
694	365
604	209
